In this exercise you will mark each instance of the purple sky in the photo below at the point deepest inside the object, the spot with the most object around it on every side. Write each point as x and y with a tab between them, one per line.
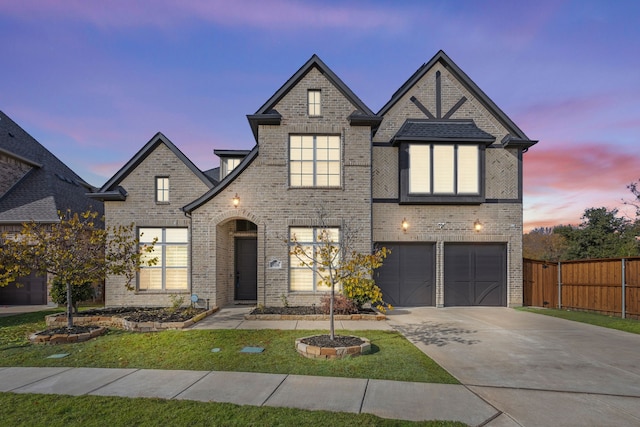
94	80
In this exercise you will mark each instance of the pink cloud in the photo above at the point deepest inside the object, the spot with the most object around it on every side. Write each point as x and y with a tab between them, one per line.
564	166
282	14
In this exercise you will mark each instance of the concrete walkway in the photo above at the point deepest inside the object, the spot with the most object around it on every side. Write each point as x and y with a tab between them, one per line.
388	399
518	369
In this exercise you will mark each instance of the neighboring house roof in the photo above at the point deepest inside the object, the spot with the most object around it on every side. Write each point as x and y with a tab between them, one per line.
442	130
50	186
442	57
224	183
112	189
362	115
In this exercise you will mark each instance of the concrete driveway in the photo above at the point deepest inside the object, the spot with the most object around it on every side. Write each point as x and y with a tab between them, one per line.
536	369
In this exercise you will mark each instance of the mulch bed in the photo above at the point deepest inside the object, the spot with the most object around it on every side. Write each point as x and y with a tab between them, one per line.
326	341
75	330
146	314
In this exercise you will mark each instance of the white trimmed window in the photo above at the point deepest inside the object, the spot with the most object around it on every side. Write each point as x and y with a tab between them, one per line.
227	165
314	161
313	102
172	252
444	169
305	278
162	189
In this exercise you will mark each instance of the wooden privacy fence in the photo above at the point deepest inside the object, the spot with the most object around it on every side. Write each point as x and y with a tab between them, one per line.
608	286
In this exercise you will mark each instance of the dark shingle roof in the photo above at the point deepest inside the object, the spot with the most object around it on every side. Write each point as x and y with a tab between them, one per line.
50	186
442	130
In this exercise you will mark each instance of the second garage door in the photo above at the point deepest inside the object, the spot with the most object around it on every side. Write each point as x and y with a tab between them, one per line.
475	274
407	276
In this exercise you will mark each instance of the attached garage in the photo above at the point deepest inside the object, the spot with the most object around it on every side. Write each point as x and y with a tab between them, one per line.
33	292
475	274
407	277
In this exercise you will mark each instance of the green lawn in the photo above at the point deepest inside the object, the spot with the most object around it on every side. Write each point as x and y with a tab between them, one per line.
52	411
626	325
191	350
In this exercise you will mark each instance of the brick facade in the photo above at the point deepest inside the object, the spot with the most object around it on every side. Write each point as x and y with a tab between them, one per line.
367	202
141	209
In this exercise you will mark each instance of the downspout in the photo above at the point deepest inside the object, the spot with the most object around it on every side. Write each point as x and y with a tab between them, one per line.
188	215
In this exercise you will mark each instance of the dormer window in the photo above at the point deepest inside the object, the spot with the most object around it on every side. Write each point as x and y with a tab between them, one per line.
313	102
227	165
162	189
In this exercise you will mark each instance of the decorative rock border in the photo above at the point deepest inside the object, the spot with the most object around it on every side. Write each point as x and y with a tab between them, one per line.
58	320
377	316
313	352
66	338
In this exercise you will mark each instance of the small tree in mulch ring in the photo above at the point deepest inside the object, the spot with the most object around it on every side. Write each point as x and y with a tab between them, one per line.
77	249
333	259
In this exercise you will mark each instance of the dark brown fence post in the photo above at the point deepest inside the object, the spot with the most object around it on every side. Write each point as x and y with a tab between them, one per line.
559	285
624	289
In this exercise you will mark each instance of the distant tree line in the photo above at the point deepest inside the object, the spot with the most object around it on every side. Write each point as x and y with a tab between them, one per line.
603	233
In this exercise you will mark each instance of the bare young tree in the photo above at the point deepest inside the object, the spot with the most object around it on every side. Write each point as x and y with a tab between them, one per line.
333	258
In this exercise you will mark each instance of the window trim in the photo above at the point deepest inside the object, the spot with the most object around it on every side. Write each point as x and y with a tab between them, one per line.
315	162
163	190
429	198
163	244
314	244
316	104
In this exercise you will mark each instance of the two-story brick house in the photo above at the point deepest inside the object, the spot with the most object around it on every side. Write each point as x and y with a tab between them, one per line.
435	175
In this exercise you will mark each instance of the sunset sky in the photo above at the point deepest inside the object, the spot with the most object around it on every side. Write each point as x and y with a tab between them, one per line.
93	81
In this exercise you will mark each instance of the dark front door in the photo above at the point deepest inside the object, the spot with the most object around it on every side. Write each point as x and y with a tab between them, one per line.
33	291
475	275
407	275
246	285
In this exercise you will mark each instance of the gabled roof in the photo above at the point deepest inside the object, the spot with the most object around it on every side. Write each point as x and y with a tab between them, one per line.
442	58
464	130
112	190
268	115
224	183
50	186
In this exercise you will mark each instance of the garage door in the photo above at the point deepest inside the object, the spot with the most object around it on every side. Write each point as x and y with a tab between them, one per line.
34	292
475	274
407	276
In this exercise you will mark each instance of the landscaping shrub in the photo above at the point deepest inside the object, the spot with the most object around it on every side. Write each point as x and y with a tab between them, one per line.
341	305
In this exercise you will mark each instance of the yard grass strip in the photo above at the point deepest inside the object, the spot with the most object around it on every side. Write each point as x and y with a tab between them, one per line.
88	411
611	322
392	358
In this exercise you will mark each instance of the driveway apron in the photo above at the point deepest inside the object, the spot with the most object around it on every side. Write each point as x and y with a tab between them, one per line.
536	368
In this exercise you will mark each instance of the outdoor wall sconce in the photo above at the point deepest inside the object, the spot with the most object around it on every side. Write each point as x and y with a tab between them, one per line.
477	225
405	225
236	200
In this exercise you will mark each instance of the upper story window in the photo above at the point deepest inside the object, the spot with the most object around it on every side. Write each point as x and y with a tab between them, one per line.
162	189
227	165
441	173
313	102
314	161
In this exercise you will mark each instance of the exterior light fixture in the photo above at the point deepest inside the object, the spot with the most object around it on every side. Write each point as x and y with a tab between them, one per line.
477	225
236	200
405	225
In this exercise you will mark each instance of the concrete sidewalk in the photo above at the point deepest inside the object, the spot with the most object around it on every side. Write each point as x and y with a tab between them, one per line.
232	317
387	399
